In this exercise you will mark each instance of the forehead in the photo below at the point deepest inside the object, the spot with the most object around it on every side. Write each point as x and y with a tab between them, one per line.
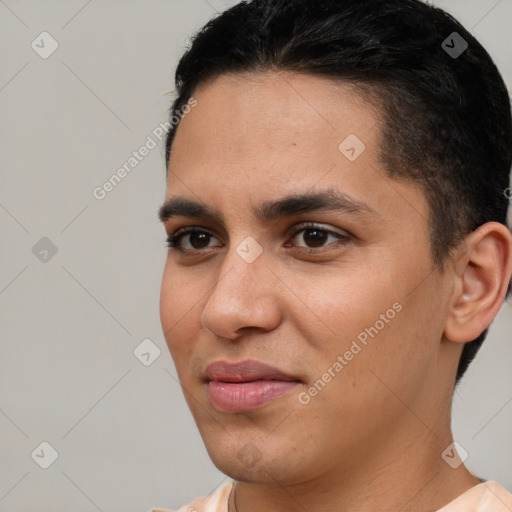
265	135
251	112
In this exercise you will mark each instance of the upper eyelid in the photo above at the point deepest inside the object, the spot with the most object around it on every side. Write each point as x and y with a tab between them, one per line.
315	225
291	231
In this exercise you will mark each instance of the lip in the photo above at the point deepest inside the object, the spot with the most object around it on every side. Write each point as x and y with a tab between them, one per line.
246	385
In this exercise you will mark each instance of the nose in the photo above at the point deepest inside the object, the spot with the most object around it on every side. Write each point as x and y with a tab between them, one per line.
245	295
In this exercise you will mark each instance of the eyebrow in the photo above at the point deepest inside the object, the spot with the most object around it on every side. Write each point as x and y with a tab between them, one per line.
328	200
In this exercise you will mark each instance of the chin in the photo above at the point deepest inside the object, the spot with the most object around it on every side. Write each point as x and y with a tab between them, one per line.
240	473
261	463
249	447
261	473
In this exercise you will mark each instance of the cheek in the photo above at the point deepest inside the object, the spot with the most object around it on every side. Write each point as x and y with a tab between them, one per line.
335	304
374	324
388	348
178	298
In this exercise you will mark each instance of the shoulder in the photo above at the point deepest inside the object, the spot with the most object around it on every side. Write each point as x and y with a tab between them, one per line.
215	502
488	496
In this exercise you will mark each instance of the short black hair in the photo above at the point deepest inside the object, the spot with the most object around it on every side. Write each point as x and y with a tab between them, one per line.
446	118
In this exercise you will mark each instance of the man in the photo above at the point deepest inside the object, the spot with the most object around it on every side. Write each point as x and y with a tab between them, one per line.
336	211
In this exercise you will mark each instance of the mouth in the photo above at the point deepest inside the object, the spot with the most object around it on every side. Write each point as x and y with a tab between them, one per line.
247	385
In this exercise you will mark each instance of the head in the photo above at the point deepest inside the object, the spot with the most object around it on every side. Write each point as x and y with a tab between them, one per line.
359	98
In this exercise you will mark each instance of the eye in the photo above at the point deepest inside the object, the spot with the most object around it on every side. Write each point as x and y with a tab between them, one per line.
198	240
315	236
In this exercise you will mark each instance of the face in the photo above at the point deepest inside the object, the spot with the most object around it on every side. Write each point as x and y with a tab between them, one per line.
340	299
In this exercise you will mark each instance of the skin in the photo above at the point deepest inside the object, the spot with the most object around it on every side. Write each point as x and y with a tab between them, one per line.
372	439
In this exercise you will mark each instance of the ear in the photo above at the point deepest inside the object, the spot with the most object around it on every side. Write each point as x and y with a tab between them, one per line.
482	273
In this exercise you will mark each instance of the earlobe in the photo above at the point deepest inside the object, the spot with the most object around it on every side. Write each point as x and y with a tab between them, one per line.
482	274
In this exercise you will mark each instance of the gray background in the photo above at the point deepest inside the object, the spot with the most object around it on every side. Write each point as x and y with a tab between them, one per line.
69	324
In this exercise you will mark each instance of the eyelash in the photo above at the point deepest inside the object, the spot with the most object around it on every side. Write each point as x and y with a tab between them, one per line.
173	242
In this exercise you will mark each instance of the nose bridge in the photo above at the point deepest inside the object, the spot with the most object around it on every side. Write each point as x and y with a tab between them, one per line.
240	296
244	269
